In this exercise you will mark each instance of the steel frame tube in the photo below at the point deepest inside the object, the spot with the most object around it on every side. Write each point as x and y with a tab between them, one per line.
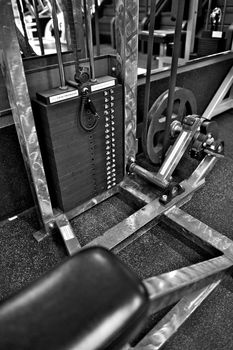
89	39
97	32
217	100
171	322
16	84
166	289
147	175
201	231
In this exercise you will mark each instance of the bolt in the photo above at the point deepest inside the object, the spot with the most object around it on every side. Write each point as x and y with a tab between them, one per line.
164	197
220	148
174	191
209	135
51	225
131	160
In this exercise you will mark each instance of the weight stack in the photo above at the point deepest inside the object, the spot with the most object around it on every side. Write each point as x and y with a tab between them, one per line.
208	45
81	164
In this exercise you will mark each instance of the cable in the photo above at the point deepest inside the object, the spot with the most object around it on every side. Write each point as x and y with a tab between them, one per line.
86	102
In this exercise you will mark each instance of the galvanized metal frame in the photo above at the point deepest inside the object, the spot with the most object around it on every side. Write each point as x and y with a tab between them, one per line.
164	289
162	332
193	277
168	288
127	19
12	68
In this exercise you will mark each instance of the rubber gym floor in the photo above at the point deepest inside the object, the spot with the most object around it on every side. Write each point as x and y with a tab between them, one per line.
23	260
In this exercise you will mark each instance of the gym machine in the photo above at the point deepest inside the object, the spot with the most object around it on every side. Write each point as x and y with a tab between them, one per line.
87	313
191	131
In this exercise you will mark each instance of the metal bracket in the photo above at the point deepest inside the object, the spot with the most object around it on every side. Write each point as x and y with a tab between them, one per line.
71	242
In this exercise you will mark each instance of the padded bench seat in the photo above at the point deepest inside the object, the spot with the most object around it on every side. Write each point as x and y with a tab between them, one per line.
91	301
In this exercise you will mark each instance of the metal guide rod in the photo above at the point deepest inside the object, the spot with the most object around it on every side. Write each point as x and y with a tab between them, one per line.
97	32
78	20
88	11
58	45
166	289
38	26
72	13
172	80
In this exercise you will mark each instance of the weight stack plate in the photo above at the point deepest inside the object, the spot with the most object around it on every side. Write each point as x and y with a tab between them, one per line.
81	164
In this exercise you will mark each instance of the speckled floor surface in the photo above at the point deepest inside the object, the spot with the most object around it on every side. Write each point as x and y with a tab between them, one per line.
23	260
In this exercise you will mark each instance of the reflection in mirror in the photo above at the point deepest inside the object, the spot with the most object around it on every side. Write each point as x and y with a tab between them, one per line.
35	30
34	26
206	29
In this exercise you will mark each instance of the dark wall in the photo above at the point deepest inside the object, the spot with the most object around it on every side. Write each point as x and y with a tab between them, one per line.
15	191
203	82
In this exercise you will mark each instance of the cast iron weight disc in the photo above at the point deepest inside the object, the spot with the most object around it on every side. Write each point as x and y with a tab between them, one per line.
184	104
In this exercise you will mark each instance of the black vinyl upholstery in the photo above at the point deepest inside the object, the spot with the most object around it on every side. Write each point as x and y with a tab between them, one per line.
91	301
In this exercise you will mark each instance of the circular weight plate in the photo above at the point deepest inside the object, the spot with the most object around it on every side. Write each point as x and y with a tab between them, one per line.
184	104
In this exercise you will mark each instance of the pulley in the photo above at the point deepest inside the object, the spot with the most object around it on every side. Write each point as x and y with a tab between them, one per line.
184	104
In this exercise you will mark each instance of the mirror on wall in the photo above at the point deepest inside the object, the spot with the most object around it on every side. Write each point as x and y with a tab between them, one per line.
206	28
34	26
